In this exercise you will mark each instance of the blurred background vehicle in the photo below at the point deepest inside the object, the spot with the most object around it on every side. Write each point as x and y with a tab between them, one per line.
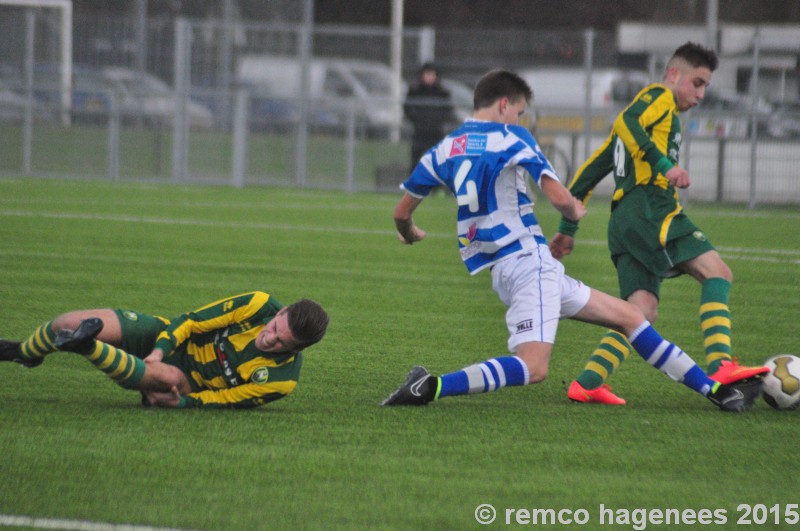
144	95
566	87
460	96
726	114
337	87
141	97
13	105
784	121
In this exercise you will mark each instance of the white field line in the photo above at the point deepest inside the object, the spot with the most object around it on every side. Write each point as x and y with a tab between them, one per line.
12	520
791	256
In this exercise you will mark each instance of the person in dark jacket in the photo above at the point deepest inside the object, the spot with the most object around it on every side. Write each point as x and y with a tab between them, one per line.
429	109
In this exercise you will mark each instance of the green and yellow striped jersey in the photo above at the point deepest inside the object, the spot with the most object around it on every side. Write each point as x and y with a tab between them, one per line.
643	145
215	347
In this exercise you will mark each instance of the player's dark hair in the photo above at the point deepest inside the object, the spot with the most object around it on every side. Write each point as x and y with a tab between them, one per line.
497	84
697	55
307	321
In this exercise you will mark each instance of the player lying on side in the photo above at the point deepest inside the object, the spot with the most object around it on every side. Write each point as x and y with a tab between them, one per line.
239	352
483	163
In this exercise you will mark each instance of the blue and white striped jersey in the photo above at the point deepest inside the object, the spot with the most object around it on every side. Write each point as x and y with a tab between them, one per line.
482	163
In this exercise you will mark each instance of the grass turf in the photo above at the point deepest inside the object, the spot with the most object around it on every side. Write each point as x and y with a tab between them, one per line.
75	446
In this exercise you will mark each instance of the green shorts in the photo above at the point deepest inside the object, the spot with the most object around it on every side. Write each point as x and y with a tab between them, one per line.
139	331
638	224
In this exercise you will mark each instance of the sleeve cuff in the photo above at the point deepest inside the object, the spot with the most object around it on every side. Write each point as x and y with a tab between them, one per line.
663	166
188	402
567	227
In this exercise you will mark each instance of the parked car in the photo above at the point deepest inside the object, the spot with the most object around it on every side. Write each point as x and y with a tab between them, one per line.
461	98
343	87
13	106
784	122
90	100
144	95
726	114
138	95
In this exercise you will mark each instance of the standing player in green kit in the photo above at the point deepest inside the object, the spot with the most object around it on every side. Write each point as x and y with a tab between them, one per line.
649	235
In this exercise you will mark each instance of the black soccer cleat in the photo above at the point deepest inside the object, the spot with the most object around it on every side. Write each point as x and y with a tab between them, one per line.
10	351
737	397
418	389
81	341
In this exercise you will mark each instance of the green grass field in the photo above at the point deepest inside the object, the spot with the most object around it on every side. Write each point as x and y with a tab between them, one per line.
74	447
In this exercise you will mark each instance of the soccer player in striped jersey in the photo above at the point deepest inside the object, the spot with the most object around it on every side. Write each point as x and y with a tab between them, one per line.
483	163
649	235
239	352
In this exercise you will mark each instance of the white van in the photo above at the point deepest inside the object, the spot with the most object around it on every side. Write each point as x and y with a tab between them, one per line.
341	86
559	96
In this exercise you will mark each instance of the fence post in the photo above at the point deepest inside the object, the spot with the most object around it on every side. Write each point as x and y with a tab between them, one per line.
721	144
240	137
113	136
179	124
587	114
754	118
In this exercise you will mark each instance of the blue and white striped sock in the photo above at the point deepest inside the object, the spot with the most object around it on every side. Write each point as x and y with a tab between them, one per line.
669	359
485	377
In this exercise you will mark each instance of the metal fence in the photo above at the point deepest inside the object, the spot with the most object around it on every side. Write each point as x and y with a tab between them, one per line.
188	116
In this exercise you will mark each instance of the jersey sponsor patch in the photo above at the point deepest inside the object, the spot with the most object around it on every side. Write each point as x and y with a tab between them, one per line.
470	144
260	375
698	234
524	326
131	316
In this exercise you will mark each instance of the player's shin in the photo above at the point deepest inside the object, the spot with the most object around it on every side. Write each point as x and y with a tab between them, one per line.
715	321
610	353
485	377
669	359
41	343
125	369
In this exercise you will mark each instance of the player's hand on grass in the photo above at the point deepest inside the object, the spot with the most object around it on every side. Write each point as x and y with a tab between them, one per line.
561	245
163	399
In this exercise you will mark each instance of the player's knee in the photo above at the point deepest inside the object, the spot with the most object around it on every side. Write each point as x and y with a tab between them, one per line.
537	375
727	274
651	314
65	321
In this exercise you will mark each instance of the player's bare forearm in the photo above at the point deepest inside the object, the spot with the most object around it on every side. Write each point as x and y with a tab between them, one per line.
408	232
563	201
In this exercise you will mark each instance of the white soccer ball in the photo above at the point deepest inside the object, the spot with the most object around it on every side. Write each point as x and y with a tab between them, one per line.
782	384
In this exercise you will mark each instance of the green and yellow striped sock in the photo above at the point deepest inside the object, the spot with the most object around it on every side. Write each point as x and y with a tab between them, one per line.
39	344
610	353
715	321
123	368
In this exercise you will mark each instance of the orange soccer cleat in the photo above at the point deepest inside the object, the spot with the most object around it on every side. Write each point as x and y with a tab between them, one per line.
730	371
601	395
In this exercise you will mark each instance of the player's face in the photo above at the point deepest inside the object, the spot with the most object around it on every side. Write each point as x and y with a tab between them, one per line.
690	86
276	337
512	111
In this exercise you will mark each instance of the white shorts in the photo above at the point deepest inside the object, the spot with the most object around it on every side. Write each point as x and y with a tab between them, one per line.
538	293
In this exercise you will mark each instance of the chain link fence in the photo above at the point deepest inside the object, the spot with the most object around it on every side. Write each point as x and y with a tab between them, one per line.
245	103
